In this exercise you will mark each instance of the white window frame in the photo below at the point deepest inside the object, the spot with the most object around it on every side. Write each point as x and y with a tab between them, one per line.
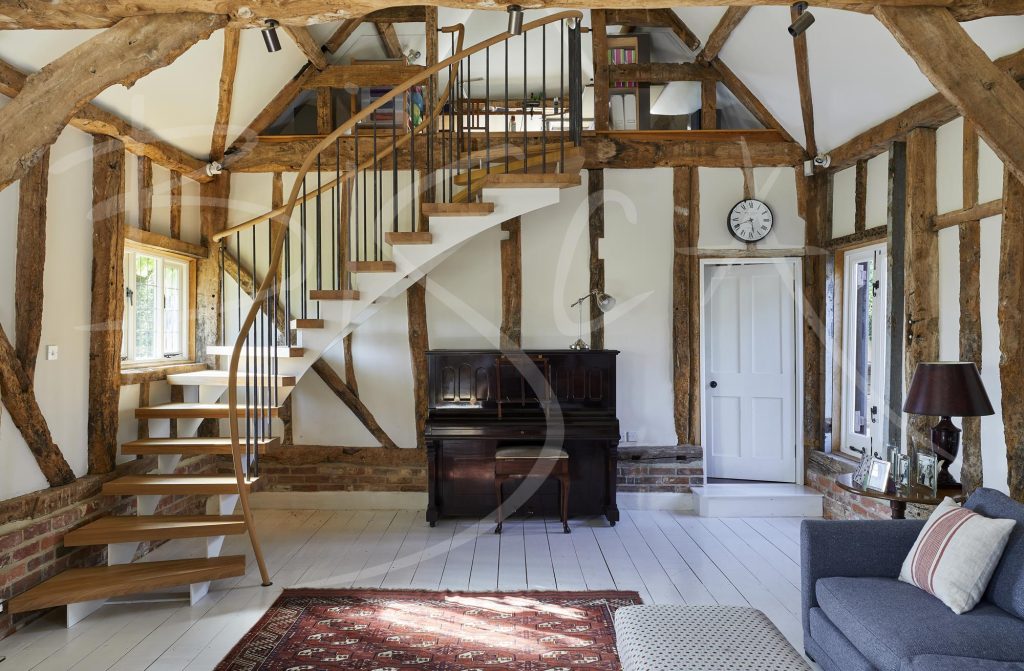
872	440
128	355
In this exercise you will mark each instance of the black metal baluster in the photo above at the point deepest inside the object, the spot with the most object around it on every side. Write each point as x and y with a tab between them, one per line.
526	138
487	110
394	163
414	219
319	233
252	352
466	138
376	208
575	83
303	279
561	93
544	99
508	137
288	284
336	218
223	299
238	281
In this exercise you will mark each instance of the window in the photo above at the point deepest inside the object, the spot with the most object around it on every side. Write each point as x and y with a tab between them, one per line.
156	300
863	351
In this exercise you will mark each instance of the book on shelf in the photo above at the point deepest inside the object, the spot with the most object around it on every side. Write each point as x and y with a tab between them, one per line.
622	56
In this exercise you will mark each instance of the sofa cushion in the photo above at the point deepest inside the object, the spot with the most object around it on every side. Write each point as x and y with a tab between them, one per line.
946	663
829	648
1006	587
891	622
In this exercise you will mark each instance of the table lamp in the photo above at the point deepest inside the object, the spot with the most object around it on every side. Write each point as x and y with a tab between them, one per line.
947	389
604	304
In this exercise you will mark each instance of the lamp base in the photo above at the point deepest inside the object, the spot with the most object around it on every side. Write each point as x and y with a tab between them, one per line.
946	446
579	345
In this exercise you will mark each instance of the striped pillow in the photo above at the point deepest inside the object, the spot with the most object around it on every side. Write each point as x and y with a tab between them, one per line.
955	555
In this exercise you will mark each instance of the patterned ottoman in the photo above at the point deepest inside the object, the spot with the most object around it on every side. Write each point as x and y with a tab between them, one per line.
667	637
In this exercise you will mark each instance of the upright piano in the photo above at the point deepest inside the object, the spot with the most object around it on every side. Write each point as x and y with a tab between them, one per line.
480	400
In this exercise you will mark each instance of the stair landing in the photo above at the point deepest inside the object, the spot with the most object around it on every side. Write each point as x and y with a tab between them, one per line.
757	499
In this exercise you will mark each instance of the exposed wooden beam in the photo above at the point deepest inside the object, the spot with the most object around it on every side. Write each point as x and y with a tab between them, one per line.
307	45
225	91
749	100
419	343
165	243
932	112
721	33
271	112
599	41
350	365
1011	330
649	149
175	222
813	206
144	187
803	80
108	227
101	14
708	105
213	216
389	39
349	398
343	32
20	400
685	228
595	229
660	73
121	55
511	329
922	270
962	72
967	215
367	74
681	30
29	264
860	196
324	110
896	282
971	471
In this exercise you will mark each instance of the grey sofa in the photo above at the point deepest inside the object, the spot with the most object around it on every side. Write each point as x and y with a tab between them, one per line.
857	616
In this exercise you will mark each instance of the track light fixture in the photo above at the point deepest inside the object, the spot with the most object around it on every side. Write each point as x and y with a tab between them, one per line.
803	20
515	20
270	37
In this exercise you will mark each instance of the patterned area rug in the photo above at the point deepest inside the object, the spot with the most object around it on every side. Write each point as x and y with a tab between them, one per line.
386	630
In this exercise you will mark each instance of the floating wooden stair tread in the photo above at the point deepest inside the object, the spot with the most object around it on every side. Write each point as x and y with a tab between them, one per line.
307	323
190	411
539	180
456	209
408	238
172	485
188	446
253	352
371	266
104	582
334	294
544	161
131	529
219	378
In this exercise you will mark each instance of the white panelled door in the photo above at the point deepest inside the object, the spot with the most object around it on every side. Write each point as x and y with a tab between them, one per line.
749	353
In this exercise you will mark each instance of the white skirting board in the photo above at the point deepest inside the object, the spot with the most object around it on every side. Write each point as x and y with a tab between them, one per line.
339	500
757	500
655	501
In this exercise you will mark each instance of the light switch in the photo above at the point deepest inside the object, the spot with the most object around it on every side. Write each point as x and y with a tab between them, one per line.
51	352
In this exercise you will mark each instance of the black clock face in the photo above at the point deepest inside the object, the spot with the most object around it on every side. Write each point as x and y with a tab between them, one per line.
750	220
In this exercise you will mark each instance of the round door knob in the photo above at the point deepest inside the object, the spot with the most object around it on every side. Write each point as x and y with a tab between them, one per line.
714	385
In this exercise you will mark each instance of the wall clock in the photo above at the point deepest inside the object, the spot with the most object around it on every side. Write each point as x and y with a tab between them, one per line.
750	220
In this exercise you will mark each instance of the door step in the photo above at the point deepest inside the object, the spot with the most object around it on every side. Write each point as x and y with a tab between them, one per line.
757	499
188	446
219	378
191	411
104	582
253	353
456	209
139	528
173	485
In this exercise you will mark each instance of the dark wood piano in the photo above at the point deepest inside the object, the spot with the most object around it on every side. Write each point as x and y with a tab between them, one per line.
480	400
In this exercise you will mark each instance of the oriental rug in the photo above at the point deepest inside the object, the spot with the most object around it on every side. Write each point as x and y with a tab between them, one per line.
398	630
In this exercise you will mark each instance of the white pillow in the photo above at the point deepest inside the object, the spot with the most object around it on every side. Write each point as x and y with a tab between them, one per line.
955	555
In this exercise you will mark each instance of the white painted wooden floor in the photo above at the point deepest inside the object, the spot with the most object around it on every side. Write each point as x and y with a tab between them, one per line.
667	557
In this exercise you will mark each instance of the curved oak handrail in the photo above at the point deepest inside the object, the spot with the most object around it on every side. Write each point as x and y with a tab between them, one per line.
280	219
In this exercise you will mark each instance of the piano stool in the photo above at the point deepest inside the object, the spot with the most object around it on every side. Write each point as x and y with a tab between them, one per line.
520	461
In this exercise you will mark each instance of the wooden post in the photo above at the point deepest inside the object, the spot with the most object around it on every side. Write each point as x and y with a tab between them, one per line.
860	197
419	343
896	244
350	366
511	330
225	92
1011	324
922	271
813	201
145	188
175	205
324	110
709	104
599	38
213	214
595	190
684	286
427	182
971	472
107	301
803	79
29	266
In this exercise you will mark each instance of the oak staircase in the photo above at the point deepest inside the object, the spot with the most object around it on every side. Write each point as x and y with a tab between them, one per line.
324	262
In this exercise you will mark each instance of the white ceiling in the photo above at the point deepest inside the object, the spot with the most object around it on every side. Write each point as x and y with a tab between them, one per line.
859	74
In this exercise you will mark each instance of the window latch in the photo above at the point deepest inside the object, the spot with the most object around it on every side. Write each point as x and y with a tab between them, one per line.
129	296
874	414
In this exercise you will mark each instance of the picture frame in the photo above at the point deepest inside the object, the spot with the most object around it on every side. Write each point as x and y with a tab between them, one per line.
928	471
878	475
860	475
901	477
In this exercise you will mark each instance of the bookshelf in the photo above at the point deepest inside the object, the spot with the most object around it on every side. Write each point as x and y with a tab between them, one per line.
630	102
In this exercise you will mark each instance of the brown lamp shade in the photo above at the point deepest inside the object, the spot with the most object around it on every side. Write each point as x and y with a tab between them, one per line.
947	389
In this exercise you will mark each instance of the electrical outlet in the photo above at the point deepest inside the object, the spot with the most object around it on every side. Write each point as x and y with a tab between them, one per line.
51	352
631	436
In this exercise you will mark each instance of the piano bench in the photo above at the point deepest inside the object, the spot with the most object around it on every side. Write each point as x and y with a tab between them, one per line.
520	461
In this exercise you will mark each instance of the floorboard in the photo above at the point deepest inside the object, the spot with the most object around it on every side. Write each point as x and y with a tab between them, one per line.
668	557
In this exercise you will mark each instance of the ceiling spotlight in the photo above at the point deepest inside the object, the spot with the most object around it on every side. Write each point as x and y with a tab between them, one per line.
515	20
270	37
803	20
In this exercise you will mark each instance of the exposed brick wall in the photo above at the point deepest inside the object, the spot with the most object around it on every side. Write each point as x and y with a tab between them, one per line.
840	504
336	469
32	529
660	469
